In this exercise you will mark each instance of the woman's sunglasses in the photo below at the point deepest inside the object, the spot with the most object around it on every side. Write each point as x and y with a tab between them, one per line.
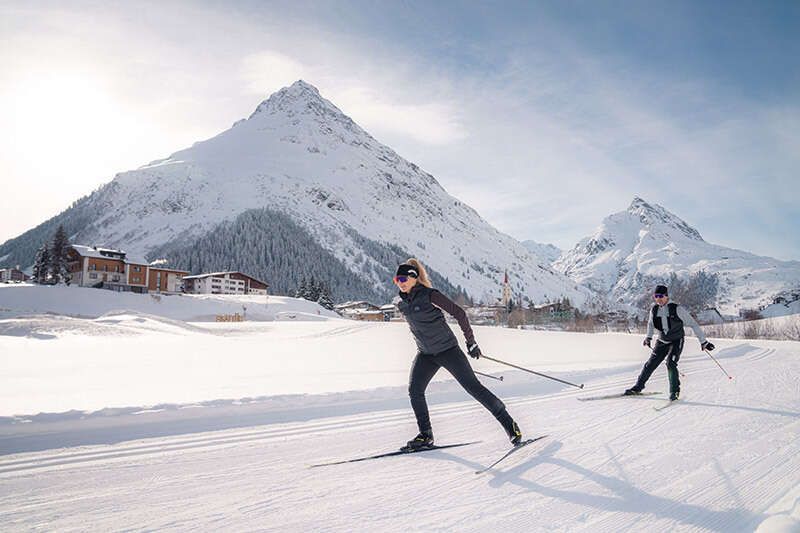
400	279
657	296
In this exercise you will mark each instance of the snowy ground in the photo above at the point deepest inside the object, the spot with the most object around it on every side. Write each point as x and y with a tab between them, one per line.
132	421
25	299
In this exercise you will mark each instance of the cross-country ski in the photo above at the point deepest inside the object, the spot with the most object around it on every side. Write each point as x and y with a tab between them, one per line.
664	405
514	449
402	451
616	395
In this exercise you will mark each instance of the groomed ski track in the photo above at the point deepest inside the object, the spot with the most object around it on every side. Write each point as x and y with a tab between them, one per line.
727	459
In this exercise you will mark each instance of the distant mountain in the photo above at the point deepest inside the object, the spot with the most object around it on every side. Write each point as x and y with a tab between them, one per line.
546	251
299	155
634	249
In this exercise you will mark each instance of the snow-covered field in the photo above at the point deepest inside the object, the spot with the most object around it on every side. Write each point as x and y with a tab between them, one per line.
133	421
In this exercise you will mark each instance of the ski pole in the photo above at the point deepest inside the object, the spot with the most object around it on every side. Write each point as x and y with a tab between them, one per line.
719	365
488	376
532	372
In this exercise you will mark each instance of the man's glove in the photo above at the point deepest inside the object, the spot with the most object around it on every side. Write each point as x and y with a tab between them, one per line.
646	342
474	350
706	346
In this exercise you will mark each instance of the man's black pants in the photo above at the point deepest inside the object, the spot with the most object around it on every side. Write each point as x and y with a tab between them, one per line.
672	352
454	361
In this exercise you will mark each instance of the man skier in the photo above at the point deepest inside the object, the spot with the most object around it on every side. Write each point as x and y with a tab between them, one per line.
669	319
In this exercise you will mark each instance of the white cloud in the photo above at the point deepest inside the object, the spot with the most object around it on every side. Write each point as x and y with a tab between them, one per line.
433	123
267	71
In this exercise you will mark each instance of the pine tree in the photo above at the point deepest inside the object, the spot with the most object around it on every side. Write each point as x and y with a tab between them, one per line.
41	265
324	298
313	290
58	257
302	290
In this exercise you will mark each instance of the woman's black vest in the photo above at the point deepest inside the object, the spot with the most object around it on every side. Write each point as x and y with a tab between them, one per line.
426	321
676	331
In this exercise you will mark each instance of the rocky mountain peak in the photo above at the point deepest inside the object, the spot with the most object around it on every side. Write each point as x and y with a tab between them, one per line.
299	98
651	215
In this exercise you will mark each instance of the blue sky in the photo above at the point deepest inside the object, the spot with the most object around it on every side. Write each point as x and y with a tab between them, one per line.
544	116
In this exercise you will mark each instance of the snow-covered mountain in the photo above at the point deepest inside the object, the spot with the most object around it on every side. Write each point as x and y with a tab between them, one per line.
635	248
299	154
545	251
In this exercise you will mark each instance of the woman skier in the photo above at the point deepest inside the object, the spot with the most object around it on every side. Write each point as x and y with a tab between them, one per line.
422	307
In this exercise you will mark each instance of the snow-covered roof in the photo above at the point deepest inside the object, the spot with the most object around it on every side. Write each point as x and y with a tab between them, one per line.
221	274
168	269
107	253
209	275
345	305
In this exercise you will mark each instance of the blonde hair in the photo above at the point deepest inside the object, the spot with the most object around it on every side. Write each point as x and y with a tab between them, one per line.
423	274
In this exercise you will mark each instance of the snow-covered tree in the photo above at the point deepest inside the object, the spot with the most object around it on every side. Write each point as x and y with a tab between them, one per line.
313	290
302	289
41	265
324	298
58	257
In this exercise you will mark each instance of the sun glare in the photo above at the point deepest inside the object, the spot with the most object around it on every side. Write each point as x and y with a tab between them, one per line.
60	118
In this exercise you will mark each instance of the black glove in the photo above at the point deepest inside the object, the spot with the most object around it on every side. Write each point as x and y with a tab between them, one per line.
706	346
646	342
474	350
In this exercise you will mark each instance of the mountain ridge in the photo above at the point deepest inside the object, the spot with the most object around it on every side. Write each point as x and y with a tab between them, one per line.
634	249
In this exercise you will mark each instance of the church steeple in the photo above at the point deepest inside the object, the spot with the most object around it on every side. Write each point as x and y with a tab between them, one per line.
506	299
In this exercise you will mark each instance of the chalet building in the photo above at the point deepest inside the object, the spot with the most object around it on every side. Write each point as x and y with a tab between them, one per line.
13	275
90	266
390	312
354	309
224	283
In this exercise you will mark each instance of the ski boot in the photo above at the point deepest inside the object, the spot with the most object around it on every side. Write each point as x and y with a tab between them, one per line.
511	427
514	433
633	391
421	442
674	396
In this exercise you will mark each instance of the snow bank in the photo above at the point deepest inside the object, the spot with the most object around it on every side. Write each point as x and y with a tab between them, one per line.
28	299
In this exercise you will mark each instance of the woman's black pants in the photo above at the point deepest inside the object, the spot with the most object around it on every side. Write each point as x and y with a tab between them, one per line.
454	361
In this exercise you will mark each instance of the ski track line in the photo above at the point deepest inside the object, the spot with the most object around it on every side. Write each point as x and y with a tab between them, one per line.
760	476
223	438
337	332
283	430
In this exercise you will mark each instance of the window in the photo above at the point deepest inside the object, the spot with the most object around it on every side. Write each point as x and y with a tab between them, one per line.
137	269
92	266
105	268
93	275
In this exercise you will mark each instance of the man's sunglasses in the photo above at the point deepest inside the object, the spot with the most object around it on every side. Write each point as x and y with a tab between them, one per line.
401	279
659	296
